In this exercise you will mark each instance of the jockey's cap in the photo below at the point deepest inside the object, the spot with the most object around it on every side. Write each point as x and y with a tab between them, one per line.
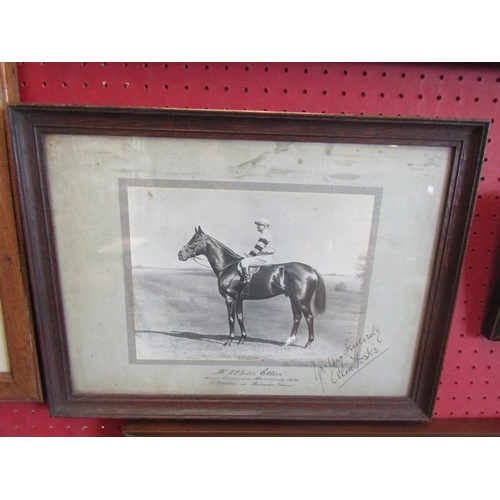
263	222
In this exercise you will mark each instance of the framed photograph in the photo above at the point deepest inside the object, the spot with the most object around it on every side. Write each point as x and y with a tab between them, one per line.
237	265
491	323
19	372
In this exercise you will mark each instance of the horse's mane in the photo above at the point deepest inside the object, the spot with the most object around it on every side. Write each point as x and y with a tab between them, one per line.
230	252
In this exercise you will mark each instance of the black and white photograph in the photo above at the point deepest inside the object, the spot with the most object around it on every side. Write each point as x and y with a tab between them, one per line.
238	272
243	267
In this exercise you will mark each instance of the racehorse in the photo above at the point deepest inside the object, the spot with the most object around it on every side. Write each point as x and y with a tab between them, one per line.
297	281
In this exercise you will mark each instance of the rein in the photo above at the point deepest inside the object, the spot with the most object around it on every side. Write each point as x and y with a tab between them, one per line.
201	262
195	247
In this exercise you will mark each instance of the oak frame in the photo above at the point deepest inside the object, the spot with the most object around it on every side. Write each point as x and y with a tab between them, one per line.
22	381
467	138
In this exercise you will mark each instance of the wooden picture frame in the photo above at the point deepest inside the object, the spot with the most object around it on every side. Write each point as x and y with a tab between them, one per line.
491	323
19	373
106	197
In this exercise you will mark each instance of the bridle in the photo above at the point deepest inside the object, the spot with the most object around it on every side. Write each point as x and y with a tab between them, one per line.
195	247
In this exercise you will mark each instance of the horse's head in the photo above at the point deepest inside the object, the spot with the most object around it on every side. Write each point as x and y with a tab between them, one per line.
195	246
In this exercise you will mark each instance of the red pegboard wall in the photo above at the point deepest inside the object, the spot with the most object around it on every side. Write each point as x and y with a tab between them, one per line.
470	382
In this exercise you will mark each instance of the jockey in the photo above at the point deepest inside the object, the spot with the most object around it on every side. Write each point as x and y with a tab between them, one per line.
262	253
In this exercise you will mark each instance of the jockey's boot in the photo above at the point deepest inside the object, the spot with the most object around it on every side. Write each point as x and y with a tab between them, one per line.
246	275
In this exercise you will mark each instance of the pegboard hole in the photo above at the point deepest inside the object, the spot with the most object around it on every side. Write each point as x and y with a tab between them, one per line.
422	76
206	67
403	75
345	73
285	70
325	72
186	66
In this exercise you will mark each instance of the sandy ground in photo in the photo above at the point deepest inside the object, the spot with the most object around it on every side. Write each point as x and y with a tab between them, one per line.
180	316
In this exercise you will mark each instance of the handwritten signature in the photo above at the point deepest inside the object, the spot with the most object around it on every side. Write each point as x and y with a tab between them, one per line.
342	369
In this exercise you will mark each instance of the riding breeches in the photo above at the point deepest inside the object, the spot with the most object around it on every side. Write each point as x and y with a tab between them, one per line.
258	260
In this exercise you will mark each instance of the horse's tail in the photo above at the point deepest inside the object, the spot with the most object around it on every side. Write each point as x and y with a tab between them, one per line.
320	295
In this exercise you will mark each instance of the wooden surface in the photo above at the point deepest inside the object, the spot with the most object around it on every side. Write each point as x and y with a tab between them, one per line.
29	123
22	382
456	427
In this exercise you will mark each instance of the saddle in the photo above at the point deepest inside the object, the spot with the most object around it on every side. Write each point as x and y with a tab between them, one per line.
254	270
278	280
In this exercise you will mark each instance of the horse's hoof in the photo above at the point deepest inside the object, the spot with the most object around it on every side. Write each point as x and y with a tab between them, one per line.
228	342
308	345
241	342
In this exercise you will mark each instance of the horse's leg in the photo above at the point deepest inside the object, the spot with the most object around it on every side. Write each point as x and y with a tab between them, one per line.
305	307
297	316
239	315
231	306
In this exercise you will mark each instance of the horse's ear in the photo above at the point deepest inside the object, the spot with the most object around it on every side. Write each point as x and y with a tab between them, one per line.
200	231
195	231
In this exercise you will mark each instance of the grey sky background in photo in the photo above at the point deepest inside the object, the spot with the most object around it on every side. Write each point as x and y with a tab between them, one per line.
329	231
